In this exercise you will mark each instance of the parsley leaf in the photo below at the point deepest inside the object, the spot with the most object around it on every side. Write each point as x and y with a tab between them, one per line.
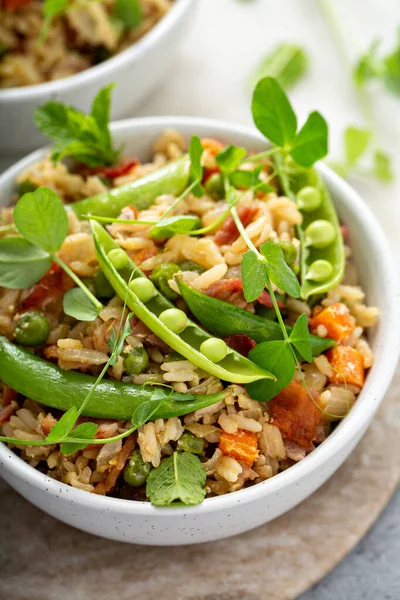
300	338
41	218
179	477
77	304
278	270
272	112
253	275
21	263
276	357
287	63
83	137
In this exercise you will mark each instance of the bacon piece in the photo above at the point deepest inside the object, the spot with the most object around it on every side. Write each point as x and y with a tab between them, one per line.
344	231
224	288
109	483
347	364
8	395
242	343
144	254
7	411
241	445
53	285
337	320
116	170
296	415
48	423
229	232
11	5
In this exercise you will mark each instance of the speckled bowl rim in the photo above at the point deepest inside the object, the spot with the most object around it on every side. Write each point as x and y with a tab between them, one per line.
351	427
105	69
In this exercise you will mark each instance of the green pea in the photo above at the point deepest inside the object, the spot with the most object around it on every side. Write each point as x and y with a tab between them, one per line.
214	186
103	287
190	265
319	270
174	318
143	288
320	233
136	471
309	198
214	349
160	277
188	442
32	329
118	258
136	361
24	187
289	251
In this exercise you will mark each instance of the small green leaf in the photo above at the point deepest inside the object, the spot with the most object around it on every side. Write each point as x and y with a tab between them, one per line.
78	305
278	271
180	477
277	358
21	263
63	426
382	167
300	338
356	141
272	112
85	431
41	218
391	71
51	9
287	63
249	180
130	12
141	414
311	143
230	158
195	153
368	66
170	226
253	275
100	112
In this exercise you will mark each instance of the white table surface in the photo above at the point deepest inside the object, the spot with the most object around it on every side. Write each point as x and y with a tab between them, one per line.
211	78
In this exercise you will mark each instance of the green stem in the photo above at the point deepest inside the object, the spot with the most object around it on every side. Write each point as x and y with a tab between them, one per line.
243	232
78	282
180	198
123	221
260	155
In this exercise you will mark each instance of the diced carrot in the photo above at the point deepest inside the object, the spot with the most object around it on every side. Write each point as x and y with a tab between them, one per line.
241	445
347	364
144	254
337	320
212	145
295	413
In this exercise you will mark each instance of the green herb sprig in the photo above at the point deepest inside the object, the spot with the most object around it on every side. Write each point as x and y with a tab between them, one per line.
287	63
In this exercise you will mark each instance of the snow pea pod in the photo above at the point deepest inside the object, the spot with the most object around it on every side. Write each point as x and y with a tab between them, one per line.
223	319
46	383
294	179
171	179
234	367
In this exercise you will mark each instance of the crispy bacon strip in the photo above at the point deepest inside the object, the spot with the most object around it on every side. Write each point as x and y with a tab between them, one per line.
241	445
109	483
224	288
296	415
242	343
229	232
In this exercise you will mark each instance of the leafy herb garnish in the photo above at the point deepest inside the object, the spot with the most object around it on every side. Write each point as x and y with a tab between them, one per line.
180	477
21	263
129	12
51	9
86	138
287	63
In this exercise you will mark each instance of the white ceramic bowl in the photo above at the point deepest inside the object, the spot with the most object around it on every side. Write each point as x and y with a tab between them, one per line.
141	523
136	71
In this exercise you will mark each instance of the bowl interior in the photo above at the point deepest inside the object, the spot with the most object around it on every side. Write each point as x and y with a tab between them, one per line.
372	257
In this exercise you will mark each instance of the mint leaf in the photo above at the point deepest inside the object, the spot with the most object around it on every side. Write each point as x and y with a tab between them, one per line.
253	275
170	226
230	158
277	358
311	143
78	305
129	12
278	271
300	338
382	168
63	426
180	477
21	263
287	63
272	112
86	431
41	218
356	141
